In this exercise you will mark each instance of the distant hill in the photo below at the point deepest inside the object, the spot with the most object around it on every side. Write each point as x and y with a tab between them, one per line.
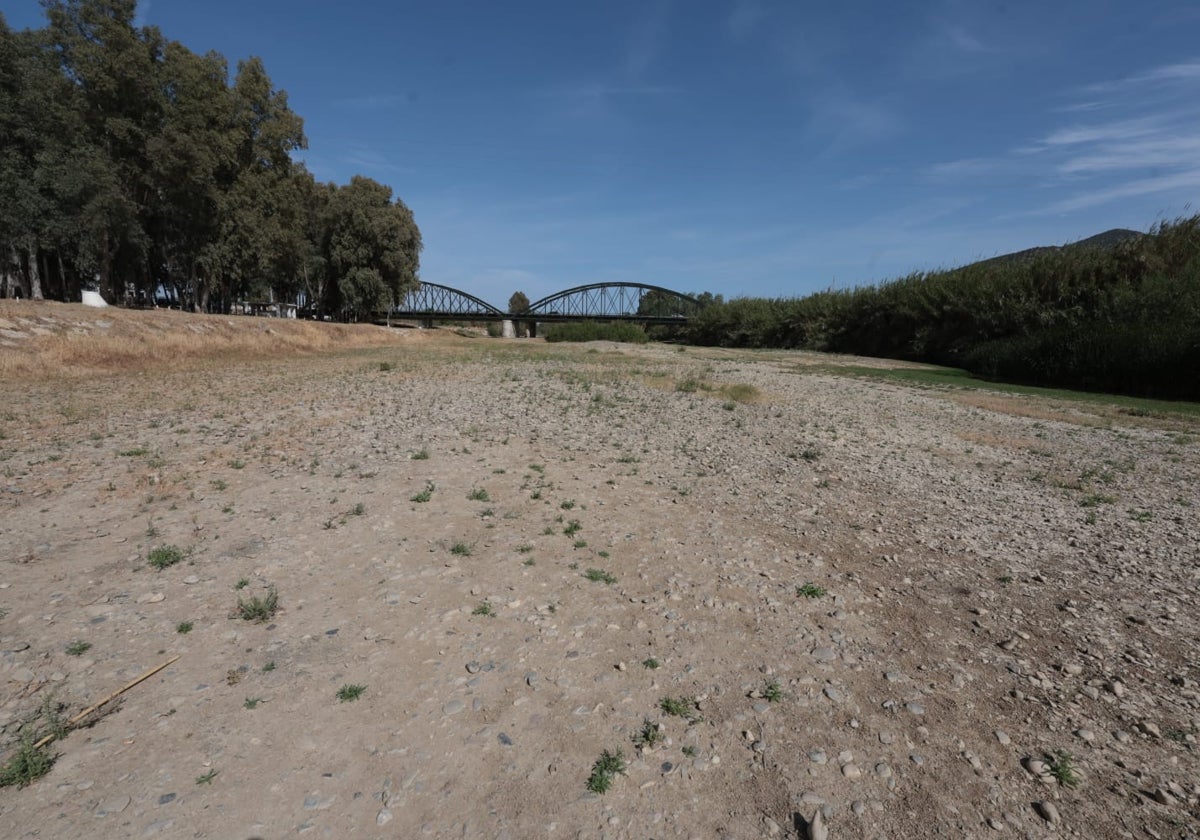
1108	239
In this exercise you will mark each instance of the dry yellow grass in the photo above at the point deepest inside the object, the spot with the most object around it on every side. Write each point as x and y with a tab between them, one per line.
53	339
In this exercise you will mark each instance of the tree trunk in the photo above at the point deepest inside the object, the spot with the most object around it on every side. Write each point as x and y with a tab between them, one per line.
35	276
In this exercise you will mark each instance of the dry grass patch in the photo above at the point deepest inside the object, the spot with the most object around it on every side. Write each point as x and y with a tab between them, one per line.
56	339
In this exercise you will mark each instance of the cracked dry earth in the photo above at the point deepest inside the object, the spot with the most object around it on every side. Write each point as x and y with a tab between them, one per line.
870	599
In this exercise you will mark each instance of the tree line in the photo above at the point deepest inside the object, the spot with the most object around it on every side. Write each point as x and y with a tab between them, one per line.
1122	318
132	164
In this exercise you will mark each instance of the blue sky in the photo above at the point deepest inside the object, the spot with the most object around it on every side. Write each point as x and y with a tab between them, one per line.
742	147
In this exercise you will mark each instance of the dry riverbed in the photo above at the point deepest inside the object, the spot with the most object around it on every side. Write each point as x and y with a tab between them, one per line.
773	589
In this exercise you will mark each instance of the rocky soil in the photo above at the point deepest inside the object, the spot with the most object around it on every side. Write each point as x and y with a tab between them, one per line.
775	590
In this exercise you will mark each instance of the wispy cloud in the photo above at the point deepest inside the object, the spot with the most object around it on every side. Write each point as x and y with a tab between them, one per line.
744	20
1186	180
1149	144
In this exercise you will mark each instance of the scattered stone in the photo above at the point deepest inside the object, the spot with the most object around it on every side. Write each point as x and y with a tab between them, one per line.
112	806
383	817
824	654
1047	811
1003	738
453	707
166	798
472	667
816	827
818	757
851	771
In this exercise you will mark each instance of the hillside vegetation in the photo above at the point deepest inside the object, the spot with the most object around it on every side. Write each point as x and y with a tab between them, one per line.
1123	318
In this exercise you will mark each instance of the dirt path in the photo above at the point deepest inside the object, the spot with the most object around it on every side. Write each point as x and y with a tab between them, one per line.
868	599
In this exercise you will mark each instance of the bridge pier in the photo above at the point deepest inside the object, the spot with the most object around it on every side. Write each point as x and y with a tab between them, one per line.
508	330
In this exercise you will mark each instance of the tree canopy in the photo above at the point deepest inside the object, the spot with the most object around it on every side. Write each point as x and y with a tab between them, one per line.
130	162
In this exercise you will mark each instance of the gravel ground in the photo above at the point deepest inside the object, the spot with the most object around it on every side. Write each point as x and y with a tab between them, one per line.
774	589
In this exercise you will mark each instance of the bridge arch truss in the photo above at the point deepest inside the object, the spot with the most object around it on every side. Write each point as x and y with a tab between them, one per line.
612	301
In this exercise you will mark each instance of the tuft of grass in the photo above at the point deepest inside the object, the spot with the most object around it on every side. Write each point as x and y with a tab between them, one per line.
460	549
420	455
528	561
810	590
484	608
350	692
684	707
580	544
183	628
242	583
269	667
567	504
1096	499
237	463
426	494
207	778
136	452
606	768
524	548
573	528
689	751
78	648
164	556
648	735
772	691
26	765
479	494
251	702
358	510
600	576
1061	765
384	367
651	663
259	609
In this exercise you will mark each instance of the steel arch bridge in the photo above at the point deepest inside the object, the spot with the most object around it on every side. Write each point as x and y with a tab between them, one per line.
595	301
433	300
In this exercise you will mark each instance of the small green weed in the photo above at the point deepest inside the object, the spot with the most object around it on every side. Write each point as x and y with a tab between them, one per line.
689	751
650	663
484	608
136	452
479	494
251	702
1061	765
242	583
607	766
183	628
269	667
237	463
26	765
165	555
573	528
460	549
426	494
1096	499
772	692
649	735
385	367
567	504
420	455
259	609
524	549
207	778
600	576
684	707
580	544
810	590
78	648
350	692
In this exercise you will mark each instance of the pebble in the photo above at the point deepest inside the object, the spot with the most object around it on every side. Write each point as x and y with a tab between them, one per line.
150	597
1003	738
166	798
190	579
761	706
1047	811
834	694
504	739
472	667
851	771
453	707
383	817
317	803
1085	735
818	757
824	654
112	806
915	708
532	679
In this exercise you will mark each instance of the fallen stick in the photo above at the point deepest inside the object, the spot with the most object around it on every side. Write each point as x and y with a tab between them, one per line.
71	723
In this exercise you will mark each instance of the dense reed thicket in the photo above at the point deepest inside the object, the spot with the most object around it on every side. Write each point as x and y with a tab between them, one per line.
1123	318
595	331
